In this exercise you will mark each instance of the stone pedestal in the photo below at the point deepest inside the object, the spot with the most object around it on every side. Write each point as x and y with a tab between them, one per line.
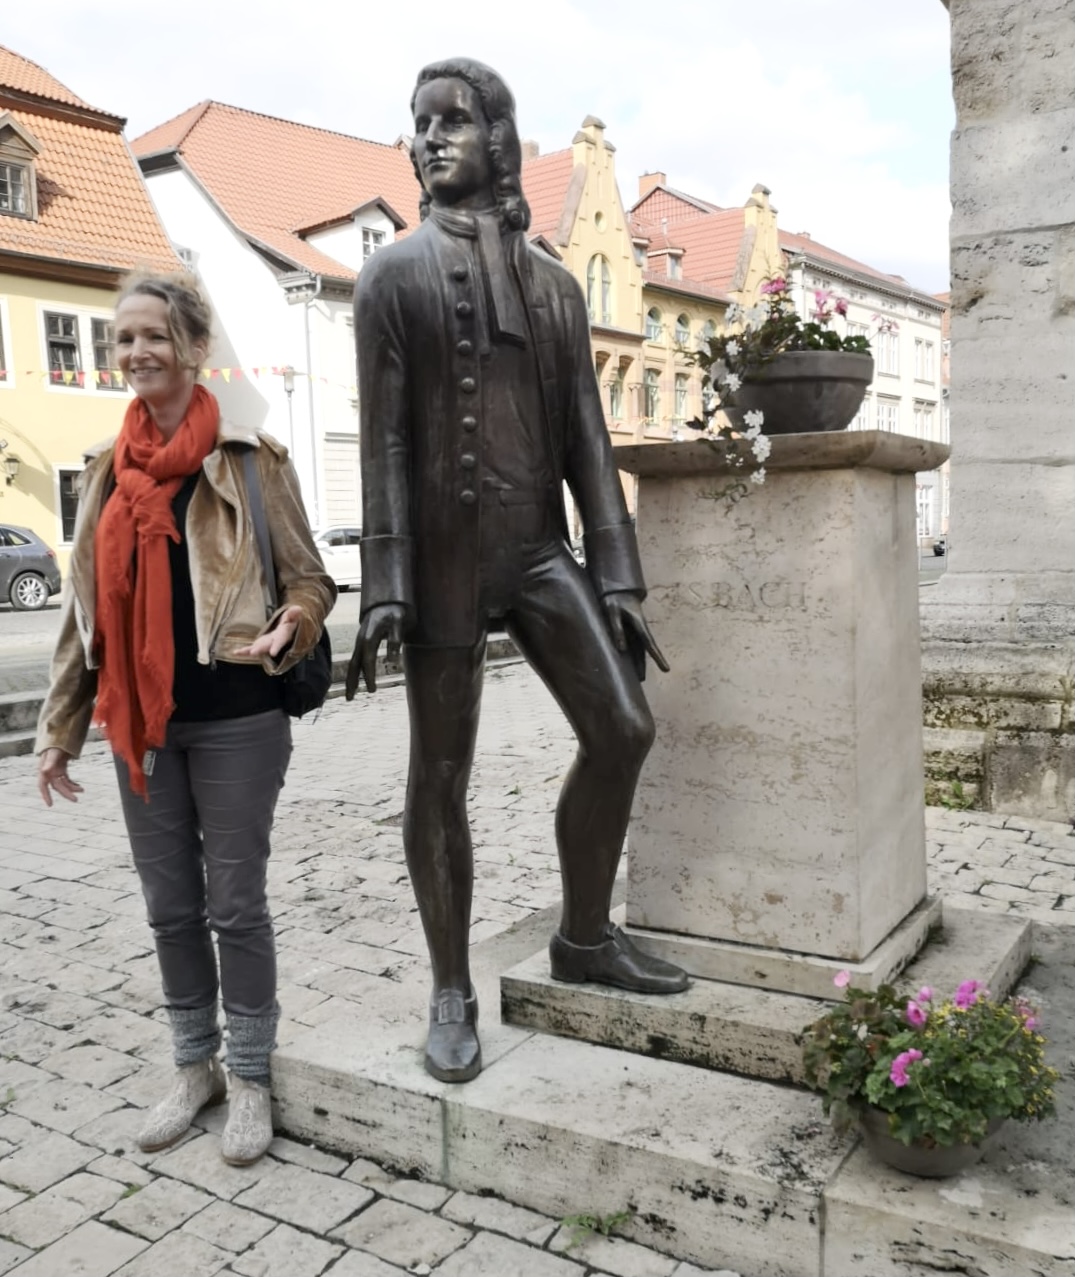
781	806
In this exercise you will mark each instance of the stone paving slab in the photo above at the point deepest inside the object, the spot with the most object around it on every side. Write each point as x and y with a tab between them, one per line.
81	1029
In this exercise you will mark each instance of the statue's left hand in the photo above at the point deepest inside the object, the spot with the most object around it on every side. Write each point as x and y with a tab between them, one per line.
623	613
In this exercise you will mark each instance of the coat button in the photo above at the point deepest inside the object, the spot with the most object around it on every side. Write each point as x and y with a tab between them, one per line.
459	273
468	385
469	423
468	496
465	309
468	460
464	347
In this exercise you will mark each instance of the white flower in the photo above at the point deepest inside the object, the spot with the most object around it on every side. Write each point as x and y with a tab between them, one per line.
754	419
731	348
758	476
733	381
757	314
762	446
733	313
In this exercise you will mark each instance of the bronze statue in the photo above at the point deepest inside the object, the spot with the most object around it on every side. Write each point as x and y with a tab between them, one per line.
478	400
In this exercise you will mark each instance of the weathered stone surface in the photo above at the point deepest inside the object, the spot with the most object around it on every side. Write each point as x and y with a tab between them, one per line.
402	1235
49	1158
305	1198
177	1255
157	1209
228	1226
285	1252
89	1251
789	781
500	1217
749	1031
706	1169
489	1256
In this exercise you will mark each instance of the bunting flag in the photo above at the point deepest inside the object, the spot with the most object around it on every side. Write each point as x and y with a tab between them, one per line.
113	379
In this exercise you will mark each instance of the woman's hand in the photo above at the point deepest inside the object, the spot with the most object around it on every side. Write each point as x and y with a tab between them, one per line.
279	637
52	774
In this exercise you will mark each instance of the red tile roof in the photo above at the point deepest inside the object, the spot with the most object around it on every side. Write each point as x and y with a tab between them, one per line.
545	182
689	287
791	243
23	76
269	176
710	244
92	205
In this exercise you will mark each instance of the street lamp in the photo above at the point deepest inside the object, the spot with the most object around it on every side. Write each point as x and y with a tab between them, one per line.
11	468
288	374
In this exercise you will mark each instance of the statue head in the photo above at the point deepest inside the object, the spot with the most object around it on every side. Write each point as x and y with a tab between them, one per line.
483	158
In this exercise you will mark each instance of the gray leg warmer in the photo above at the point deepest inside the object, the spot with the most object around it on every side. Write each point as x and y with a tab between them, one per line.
251	1040
195	1034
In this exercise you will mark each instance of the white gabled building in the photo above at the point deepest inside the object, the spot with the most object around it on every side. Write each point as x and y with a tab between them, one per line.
905	330
276	219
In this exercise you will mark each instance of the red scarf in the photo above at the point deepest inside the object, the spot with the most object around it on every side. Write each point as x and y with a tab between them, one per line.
134	639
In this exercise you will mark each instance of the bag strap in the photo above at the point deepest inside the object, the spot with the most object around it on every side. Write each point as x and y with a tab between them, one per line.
261	527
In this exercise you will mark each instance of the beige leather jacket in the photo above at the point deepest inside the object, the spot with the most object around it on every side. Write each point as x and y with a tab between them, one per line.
225	571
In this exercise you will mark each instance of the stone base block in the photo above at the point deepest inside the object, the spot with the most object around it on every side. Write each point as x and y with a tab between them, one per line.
800	973
720	1171
742	1030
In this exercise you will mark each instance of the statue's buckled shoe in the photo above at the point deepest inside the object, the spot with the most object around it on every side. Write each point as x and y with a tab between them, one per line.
615	961
453	1052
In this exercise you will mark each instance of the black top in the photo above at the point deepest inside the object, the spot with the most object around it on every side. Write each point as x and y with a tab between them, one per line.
205	693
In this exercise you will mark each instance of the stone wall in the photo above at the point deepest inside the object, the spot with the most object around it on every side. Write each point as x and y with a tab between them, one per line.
999	630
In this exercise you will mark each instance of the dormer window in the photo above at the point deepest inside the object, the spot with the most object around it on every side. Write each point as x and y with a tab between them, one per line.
18	151
15	190
371	242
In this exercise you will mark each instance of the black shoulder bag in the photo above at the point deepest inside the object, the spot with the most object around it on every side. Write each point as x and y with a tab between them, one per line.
306	684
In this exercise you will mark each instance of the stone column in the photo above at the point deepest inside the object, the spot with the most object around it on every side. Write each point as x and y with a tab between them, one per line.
999	629
781	806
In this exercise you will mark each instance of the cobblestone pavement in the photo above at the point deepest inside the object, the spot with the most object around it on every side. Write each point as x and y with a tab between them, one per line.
83	1043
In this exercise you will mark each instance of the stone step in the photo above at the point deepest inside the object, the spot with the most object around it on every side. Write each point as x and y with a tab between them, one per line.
719	1170
755	1032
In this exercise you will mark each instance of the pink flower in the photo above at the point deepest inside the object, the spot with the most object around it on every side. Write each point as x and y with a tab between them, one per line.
841	306
916	1017
968	993
842	979
898	1073
822	297
775	286
925	994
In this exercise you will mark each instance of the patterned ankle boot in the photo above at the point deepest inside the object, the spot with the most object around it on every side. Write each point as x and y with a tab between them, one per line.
248	1132
195	1087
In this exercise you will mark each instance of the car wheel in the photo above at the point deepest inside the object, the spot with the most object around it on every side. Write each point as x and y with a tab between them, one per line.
29	592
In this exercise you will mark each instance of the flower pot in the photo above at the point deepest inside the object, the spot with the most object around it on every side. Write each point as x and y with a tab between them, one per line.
916	1159
806	390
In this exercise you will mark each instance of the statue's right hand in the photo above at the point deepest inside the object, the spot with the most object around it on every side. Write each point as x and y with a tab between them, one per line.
52	774
382	622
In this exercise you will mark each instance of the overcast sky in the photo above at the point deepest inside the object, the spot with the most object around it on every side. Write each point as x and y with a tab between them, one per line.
841	107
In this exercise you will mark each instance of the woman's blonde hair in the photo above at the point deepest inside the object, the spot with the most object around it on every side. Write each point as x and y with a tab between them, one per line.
189	317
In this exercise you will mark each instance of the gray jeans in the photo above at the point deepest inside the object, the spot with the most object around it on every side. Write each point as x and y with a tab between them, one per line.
201	848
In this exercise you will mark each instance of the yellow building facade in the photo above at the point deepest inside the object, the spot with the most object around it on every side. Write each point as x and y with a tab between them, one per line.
74	218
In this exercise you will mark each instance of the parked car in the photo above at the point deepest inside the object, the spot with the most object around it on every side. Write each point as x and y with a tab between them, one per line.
29	573
940	546
339	549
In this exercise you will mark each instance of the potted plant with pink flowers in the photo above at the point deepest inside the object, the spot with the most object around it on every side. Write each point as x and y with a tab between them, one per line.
928	1079
800	375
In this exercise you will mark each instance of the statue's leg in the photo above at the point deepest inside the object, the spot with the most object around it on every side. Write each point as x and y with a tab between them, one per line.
558	624
444	698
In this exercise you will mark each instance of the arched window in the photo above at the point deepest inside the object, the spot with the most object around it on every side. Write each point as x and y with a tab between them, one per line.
653	324
652	390
615	394
683	330
599	277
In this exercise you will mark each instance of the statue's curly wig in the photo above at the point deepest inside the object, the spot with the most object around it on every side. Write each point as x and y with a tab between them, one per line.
505	150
